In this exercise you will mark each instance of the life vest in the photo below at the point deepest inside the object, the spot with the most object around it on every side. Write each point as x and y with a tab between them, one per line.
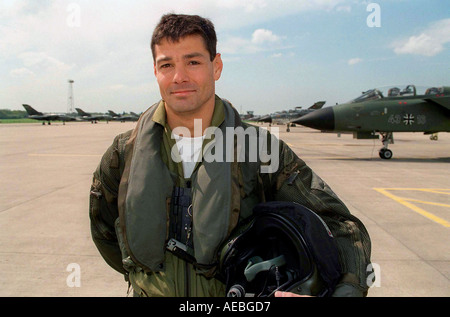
219	195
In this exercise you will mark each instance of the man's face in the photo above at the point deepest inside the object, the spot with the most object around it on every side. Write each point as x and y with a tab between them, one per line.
185	74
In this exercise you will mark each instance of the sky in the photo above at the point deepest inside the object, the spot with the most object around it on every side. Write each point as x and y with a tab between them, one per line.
278	54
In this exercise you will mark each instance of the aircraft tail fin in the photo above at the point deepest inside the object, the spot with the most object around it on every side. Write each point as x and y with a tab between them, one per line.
317	105
82	113
31	111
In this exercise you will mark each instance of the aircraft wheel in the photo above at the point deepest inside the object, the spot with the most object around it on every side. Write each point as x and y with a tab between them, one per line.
385	154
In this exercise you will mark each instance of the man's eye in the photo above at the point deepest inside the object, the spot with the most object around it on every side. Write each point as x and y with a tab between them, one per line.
165	66
194	63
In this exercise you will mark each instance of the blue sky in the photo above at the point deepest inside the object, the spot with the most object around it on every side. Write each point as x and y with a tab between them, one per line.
278	54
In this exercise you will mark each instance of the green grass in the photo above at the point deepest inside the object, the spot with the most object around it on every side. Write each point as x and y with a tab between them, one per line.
23	120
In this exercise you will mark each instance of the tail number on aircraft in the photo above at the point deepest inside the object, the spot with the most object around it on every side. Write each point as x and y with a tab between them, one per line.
421	119
395	119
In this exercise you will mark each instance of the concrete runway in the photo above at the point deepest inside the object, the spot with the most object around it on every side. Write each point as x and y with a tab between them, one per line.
46	175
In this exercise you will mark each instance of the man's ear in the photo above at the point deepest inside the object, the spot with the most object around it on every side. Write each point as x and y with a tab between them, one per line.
218	66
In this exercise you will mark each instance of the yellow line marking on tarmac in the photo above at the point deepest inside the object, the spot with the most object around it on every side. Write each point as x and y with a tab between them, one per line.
426	202
62	155
406	202
438	191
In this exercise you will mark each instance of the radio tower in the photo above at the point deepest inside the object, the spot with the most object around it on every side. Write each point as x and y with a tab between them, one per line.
70	101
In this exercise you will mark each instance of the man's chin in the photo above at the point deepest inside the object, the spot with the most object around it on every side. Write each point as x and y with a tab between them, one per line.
182	106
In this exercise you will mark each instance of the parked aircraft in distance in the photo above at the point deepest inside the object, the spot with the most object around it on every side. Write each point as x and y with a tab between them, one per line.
288	116
385	112
122	118
85	116
36	115
249	116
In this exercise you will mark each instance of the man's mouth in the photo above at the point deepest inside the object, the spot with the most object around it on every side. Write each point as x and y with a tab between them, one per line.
182	92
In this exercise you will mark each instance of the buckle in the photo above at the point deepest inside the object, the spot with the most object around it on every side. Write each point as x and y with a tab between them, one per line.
180	250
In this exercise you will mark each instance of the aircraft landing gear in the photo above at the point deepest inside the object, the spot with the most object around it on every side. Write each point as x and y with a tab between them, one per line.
384	152
288	128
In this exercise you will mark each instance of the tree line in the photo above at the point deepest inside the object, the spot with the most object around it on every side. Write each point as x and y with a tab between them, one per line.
12	114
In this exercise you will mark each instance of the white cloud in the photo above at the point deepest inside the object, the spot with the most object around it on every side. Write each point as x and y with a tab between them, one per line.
41	60
261	40
354	61
262	36
430	42
21	72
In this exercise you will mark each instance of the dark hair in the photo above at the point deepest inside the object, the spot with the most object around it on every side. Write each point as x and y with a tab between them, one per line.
174	27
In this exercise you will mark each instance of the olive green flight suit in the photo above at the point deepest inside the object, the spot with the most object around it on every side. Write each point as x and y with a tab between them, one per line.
293	181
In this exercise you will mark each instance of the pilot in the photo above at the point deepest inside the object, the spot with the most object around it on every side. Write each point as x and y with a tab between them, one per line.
160	209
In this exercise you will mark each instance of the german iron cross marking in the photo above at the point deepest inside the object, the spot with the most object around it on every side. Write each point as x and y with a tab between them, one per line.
408	119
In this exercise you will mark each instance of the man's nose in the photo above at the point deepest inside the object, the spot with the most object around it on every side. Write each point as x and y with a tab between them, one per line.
180	75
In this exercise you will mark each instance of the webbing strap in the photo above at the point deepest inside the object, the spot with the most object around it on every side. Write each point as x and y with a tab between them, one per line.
180	226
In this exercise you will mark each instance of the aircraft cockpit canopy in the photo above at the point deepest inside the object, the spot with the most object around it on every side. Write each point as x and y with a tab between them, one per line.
409	90
371	94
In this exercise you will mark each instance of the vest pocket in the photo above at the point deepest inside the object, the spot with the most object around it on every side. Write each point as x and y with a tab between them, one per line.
96	200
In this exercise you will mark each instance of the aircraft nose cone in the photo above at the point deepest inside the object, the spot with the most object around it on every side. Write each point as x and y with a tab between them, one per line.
321	119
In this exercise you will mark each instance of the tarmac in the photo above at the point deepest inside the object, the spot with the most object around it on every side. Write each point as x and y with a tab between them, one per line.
46	248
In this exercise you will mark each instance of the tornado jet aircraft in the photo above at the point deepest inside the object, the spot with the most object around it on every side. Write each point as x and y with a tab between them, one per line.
383	112
94	118
122	118
36	115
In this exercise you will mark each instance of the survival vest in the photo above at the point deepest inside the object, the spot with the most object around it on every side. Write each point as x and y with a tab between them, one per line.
217	190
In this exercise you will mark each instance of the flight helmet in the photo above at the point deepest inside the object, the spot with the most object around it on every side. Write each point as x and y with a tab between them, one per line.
282	246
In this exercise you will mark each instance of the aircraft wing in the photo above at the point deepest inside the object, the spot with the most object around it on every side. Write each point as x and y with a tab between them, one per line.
440	101
49	117
62	117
